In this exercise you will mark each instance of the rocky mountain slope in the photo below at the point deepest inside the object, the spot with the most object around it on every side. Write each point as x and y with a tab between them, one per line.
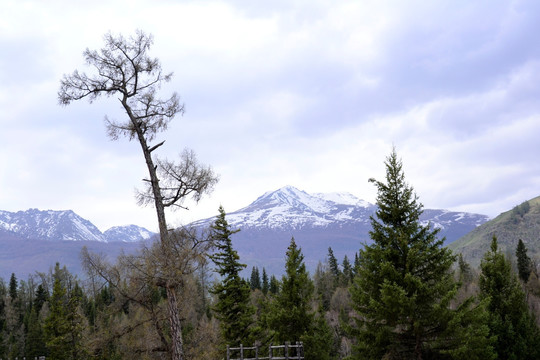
522	222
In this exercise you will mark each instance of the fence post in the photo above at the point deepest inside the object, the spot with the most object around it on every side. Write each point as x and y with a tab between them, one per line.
241	352
286	350
270	352
228	353
256	351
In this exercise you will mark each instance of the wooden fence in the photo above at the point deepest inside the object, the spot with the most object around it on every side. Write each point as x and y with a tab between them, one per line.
275	352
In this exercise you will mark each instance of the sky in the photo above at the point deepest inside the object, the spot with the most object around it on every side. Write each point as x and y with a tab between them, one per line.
308	93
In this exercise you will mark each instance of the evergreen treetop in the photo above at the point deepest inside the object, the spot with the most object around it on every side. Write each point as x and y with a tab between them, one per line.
510	322
523	261
233	306
404	284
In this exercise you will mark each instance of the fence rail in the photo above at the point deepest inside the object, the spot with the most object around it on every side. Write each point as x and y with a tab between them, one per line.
275	352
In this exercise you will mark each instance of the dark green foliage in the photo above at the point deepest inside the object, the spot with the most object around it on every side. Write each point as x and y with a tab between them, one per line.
517	336
291	317
265	282
465	271
404	286
348	272
255	279
233	306
41	296
274	285
319	342
13	286
56	327
334	267
523	261
35	341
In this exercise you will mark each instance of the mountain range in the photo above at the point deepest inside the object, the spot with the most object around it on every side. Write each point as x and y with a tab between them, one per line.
33	240
319	221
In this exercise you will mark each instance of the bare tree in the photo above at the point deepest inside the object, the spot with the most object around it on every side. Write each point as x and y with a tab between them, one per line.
124	69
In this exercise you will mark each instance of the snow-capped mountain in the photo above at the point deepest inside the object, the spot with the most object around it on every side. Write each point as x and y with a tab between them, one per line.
290	209
34	240
127	233
318	221
51	225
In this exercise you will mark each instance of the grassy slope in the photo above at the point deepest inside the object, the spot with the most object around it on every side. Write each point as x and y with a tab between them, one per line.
509	228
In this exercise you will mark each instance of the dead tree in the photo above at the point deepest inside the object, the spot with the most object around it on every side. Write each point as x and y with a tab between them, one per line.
123	68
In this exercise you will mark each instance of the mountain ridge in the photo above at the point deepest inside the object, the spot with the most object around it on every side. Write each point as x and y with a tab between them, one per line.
64	225
316	221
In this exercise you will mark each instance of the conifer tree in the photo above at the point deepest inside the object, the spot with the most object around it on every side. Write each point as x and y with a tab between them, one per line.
265	282
523	261
76	323
348	273
40	298
334	267
274	285
13	286
35	343
56	327
404	285
255	279
291	316
515	329
233	307
465	271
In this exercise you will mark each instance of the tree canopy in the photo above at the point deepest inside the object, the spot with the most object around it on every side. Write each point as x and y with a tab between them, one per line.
404	285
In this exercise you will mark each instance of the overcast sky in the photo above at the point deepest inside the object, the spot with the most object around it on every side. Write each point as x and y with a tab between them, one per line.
307	93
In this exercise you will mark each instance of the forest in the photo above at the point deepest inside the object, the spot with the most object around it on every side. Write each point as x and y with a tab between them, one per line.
405	296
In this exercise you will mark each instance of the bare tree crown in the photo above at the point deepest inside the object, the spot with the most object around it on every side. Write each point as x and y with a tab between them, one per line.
123	67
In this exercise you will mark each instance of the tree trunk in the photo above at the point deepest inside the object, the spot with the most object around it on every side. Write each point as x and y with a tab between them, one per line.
176	346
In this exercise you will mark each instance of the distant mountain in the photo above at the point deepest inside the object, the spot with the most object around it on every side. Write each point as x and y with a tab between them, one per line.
127	233
318	221
522	222
34	240
49	225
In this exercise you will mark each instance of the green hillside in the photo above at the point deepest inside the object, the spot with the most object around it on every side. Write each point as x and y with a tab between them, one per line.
522	222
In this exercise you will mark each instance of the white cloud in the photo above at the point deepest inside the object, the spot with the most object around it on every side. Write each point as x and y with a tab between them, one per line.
307	93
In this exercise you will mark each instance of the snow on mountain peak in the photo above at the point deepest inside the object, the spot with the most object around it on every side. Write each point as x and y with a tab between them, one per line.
290	207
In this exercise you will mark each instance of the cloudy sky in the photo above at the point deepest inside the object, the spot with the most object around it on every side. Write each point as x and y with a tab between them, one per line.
307	93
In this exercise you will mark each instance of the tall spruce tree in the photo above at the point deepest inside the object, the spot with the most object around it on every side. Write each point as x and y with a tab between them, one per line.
334	267
404	285
523	261
56	327
291	317
291	310
255	279
515	329
233	307
265	282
